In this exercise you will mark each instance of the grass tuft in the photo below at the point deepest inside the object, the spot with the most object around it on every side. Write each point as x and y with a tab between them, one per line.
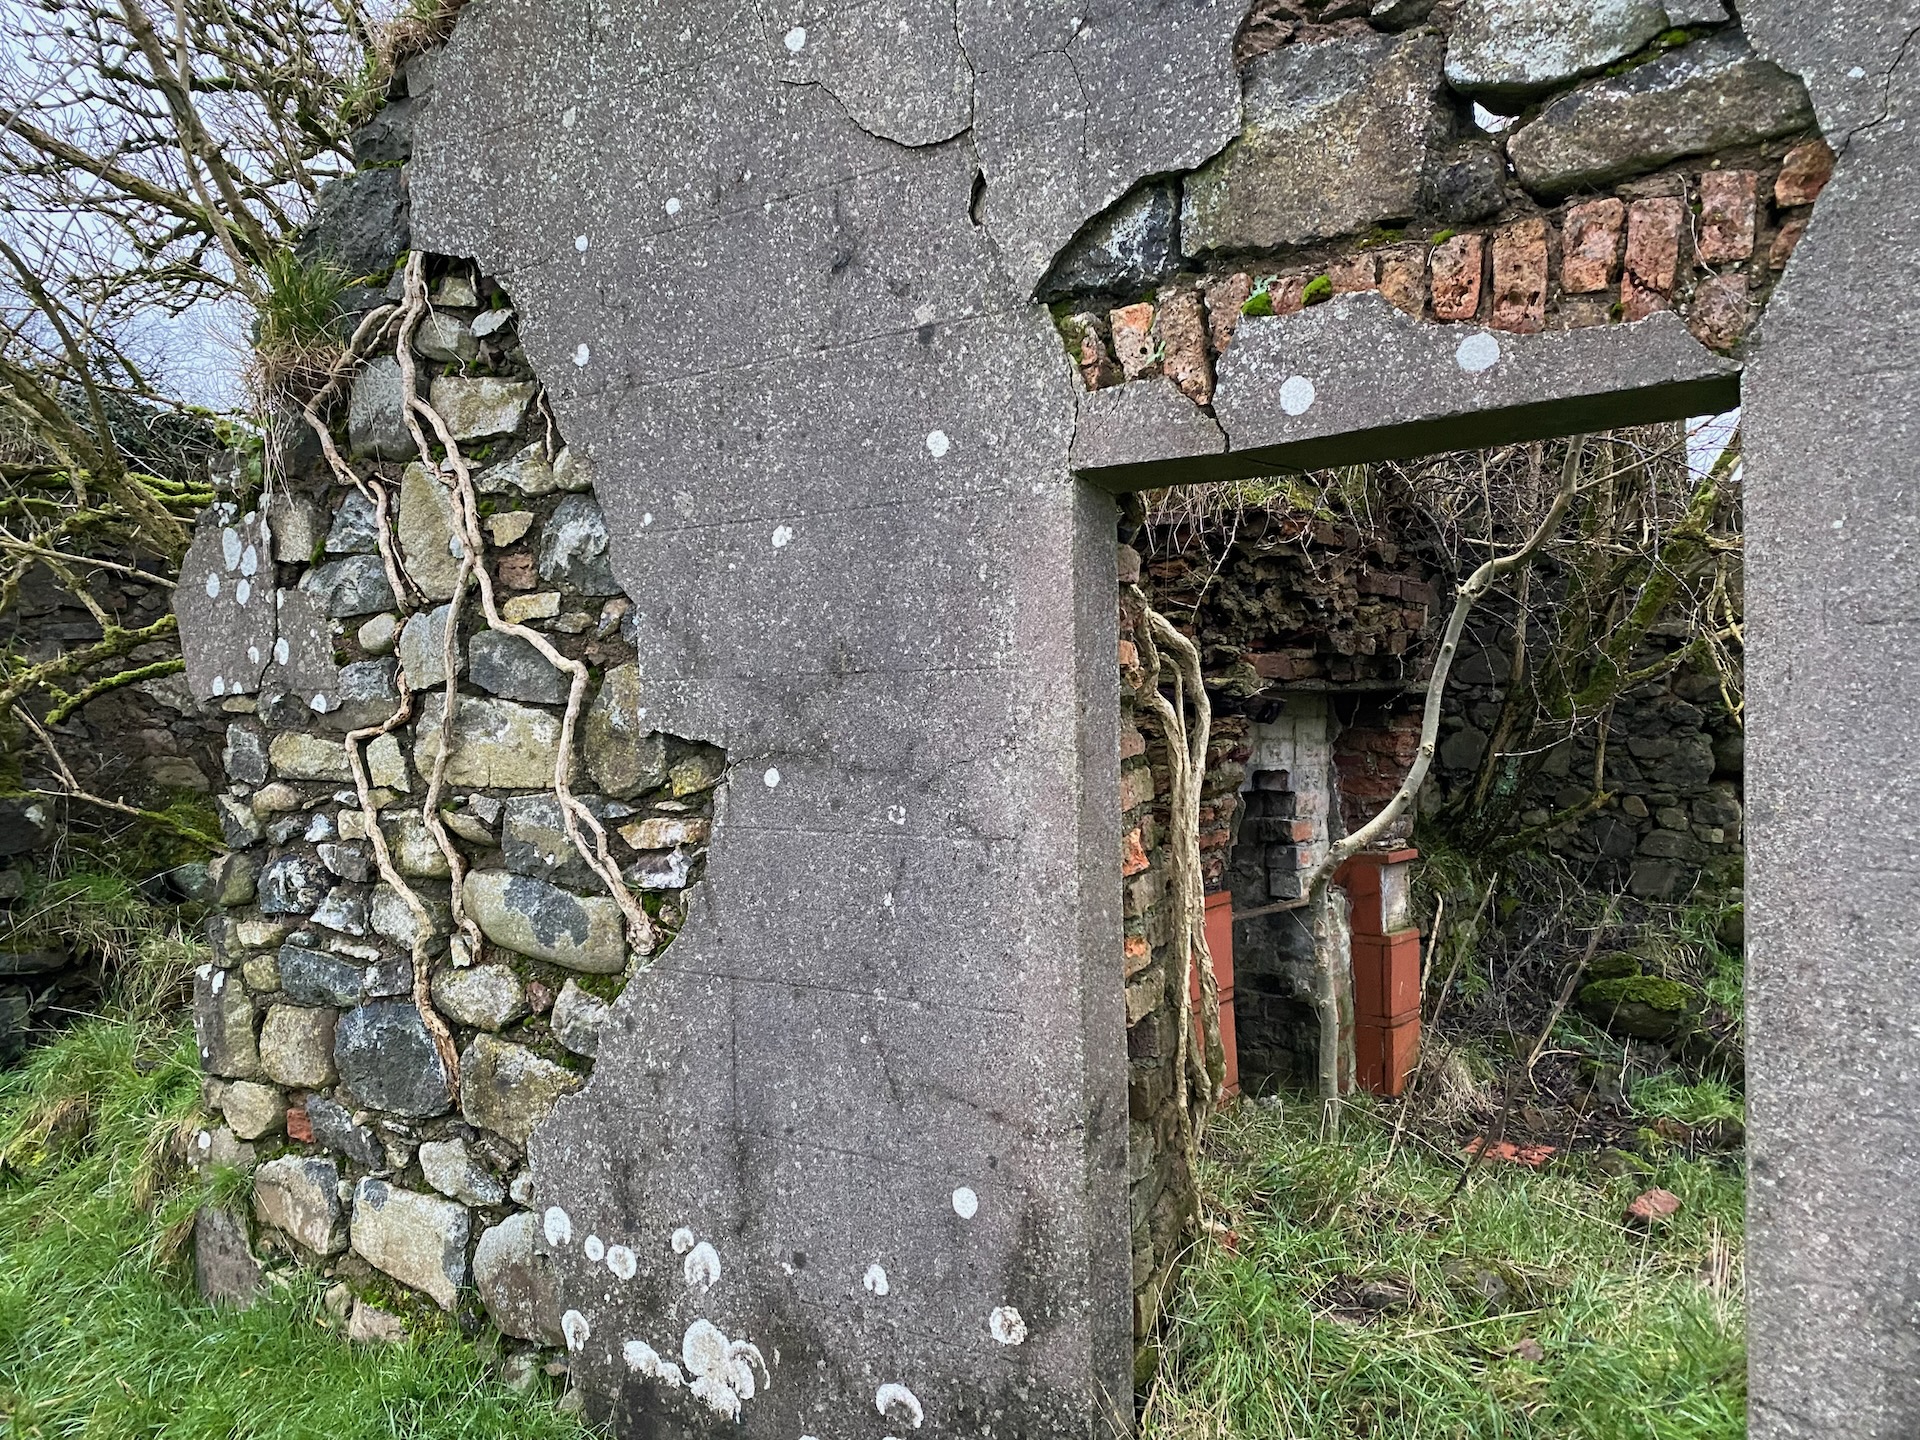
101	1334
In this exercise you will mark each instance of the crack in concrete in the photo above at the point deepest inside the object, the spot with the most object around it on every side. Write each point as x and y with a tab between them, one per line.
1886	93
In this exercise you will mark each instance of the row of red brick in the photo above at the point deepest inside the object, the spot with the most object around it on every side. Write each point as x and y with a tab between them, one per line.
1634	248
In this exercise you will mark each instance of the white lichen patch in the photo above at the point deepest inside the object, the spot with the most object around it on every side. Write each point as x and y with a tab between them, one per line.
797	39
574	1326
966	1204
938	444
725	1372
876	1280
1006	1326
557	1225
1477	353
772	777
594	1248
899	1406
581	355
701	1267
1297	395
782	536
621	1261
682	1240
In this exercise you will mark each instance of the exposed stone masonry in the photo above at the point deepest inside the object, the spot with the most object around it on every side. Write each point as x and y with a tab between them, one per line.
364	1157
1644	170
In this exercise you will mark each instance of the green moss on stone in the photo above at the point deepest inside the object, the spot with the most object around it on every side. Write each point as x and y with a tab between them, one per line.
1614	967
1258	303
1440	237
1656	992
1319	289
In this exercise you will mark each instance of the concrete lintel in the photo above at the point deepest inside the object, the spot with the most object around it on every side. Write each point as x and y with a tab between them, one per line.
1356	380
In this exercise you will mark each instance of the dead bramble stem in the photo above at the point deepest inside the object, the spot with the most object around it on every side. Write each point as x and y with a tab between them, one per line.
577	818
1186	745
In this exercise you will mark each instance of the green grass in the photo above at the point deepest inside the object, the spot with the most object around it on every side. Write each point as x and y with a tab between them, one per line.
1667	1096
1641	1337
101	1334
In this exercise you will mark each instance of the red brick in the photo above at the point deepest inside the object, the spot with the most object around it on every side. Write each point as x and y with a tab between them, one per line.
1134	344
1224	299
1133	855
1355	273
516	572
1785	241
1727	200
1138	954
1132	742
299	1127
1719	312
1654	228
1803	174
1288	294
1384	1056
1129	655
1590	253
1182	328
1456	277
1286	665
1089	348
1403	277
1520	277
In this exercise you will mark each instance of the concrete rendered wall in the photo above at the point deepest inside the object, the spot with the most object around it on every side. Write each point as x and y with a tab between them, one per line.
784	261
879	1080
1834	673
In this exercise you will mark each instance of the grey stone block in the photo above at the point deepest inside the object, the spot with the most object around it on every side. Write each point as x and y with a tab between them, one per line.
1713	94
388	1062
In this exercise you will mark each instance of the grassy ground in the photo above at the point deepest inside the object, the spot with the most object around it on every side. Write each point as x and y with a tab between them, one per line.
1342	1296
101	1335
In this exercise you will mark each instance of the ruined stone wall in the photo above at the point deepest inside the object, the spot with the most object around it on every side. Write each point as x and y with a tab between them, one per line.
406	1179
1317	641
1526	167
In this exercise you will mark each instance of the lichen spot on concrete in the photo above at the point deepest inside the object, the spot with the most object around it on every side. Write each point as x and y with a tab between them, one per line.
594	1249
621	1261
673	205
899	1406
219	686
938	444
574	1326
230	547
797	39
219	981
772	778
282	651
580	243
1006	1326
570	117
557	1225
581	354
1477	353
782	536
213	587
682	1240
1296	395
876	1280
702	1266
250	561
966	1204
641	1358
243	592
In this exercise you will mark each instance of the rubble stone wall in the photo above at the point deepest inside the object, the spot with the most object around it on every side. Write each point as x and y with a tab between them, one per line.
408	1183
